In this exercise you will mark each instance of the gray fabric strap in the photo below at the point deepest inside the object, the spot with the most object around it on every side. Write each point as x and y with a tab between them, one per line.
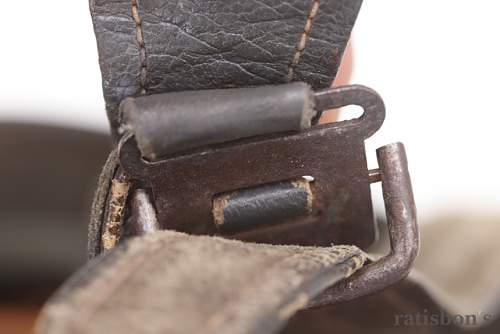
169	282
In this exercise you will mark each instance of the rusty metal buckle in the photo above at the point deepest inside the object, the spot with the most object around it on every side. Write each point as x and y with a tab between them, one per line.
183	187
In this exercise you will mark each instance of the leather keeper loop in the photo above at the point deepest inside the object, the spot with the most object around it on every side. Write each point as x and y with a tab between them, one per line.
165	124
263	205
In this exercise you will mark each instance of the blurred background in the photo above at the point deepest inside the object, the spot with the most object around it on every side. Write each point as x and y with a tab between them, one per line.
435	63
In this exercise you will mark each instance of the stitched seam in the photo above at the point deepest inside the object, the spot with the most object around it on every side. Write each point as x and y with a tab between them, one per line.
139	36
301	46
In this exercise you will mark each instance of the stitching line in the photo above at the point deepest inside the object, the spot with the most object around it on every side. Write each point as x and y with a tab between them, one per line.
142	49
301	46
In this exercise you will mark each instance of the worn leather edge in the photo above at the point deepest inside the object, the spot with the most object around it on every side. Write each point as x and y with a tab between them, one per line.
99	204
195	282
262	206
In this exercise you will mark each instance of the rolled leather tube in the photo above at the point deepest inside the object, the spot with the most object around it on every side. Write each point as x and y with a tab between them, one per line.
262	205
170	123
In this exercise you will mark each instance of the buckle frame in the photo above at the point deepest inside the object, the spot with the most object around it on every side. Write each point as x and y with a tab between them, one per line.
183	186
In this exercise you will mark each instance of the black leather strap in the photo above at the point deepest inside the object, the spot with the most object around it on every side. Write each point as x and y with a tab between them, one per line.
157	46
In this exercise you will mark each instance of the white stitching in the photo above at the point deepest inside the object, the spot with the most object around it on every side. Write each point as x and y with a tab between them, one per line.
301	46
142	49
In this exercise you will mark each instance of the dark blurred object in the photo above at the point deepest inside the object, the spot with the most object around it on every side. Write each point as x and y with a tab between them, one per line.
48	175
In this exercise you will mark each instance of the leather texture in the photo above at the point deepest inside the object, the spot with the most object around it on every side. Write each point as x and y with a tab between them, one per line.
165	124
262	206
158	46
169	282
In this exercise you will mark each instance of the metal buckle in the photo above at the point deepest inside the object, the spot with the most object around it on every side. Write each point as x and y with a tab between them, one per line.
403	232
183	187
